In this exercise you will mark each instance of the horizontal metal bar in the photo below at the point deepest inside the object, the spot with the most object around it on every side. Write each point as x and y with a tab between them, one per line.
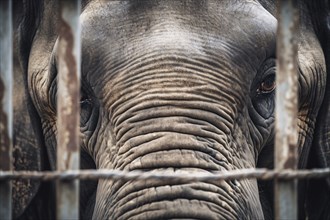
261	174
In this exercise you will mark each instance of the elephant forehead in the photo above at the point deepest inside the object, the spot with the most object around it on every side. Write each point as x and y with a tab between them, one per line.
238	33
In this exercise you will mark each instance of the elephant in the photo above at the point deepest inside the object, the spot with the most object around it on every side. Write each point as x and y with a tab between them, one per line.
173	86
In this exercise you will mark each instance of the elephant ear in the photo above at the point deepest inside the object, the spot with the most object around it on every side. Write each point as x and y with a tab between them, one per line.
28	148
318	201
322	135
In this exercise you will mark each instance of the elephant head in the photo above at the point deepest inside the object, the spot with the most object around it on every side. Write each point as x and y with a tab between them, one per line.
184	86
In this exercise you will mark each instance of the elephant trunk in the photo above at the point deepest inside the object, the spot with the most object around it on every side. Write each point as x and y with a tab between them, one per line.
167	200
181	140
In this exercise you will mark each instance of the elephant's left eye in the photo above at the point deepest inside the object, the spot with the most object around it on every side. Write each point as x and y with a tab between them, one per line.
89	111
263	89
268	85
86	108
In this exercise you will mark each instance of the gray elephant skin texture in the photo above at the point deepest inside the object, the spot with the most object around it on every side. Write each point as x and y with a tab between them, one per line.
173	86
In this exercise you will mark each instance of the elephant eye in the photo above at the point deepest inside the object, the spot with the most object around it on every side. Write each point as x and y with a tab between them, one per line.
85	103
86	108
268	85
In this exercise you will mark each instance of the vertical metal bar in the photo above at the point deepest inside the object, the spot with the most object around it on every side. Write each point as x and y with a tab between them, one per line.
68	112
286	140
6	108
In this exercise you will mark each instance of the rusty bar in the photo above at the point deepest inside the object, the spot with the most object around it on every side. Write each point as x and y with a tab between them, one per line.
286	141
260	173
6	108
68	148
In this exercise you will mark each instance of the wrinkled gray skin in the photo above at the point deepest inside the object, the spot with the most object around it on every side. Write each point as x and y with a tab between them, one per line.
185	86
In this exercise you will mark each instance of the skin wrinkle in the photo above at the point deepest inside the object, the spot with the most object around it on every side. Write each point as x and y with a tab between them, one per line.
188	158
210	117
167	99
314	88
156	92
176	55
115	92
163	147
199	62
310	74
208	147
210	205
143	90
48	128
91	144
180	129
163	191
188	213
201	203
135	189
180	114
166	74
257	140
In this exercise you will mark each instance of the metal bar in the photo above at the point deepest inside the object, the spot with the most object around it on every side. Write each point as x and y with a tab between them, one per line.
68	148
261	174
286	141
6	108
